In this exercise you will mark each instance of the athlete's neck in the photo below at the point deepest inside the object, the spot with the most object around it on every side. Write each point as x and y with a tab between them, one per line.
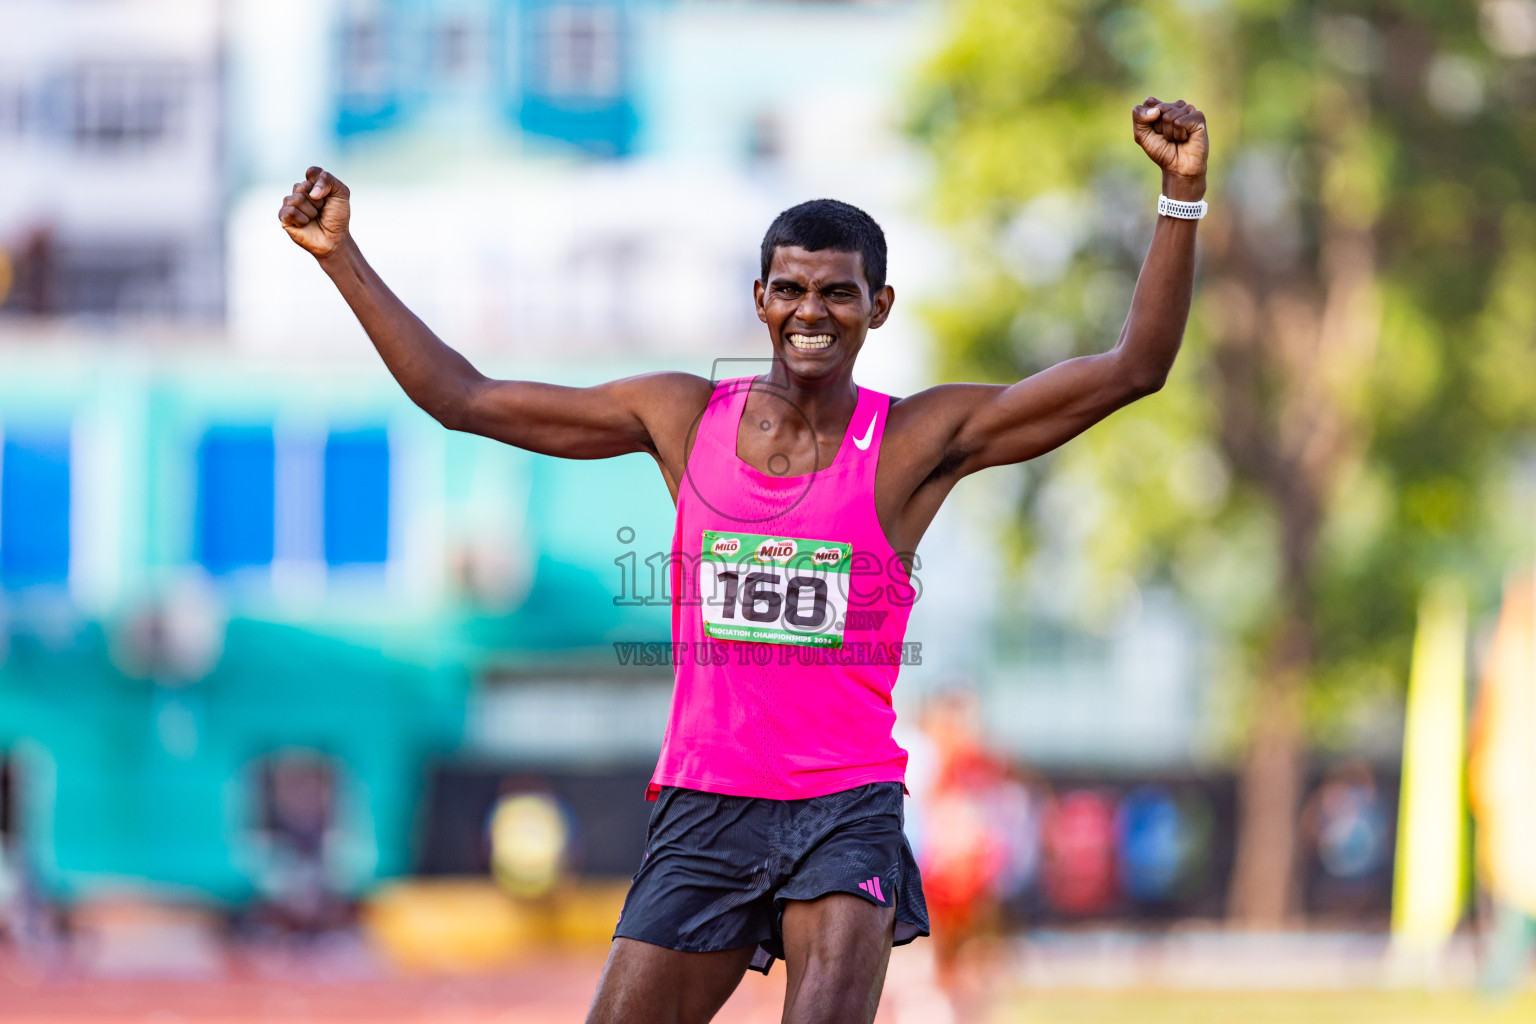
827	403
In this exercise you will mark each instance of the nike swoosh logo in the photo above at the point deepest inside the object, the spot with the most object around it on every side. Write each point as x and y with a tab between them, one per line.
869	435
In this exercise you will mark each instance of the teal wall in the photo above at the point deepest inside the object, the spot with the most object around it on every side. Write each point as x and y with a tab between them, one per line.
128	780
151	783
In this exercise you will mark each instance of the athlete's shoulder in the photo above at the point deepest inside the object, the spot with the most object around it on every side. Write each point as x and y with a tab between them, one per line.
937	410
666	389
668	402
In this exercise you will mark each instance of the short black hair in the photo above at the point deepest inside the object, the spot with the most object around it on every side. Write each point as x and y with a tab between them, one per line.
829	224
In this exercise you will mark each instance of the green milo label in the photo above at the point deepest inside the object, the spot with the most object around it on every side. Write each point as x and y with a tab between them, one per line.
790	552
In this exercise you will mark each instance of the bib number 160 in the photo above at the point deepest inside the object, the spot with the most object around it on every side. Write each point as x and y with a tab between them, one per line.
803	603
773	590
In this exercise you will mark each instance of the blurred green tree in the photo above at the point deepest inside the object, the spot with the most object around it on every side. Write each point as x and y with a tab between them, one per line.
1359	371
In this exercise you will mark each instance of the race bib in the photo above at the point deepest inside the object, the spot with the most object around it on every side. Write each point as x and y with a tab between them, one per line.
774	590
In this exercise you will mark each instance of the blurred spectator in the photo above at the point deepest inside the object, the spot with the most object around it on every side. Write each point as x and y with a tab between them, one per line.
26	920
1345	821
12	885
1164	846
30	286
1152	842
1079	877
1018	813
299	896
10	873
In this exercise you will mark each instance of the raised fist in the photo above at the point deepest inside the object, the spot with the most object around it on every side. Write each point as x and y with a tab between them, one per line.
316	212
1173	134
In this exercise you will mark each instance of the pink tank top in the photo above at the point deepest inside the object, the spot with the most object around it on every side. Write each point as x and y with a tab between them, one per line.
770	719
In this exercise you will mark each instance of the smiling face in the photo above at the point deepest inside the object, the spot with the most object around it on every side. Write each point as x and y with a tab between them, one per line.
818	308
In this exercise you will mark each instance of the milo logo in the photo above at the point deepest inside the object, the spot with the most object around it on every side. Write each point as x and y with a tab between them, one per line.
775	551
726	546
826	556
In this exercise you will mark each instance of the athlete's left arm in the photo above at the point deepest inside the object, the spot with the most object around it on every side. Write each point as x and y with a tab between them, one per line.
995	425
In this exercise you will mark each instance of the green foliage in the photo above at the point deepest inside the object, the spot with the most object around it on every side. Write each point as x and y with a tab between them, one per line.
1368	292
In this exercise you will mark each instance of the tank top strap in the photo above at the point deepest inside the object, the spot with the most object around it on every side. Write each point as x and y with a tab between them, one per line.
721	420
866	429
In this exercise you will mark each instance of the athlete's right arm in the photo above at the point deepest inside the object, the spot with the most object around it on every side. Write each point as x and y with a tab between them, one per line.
647	413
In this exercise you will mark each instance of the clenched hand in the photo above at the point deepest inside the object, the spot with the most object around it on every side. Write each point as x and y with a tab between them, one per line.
315	214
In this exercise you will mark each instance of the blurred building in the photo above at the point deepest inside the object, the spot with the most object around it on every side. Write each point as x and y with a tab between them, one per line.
205	566
590	177
113	190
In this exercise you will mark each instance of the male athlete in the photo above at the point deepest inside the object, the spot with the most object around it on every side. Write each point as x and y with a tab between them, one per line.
801	498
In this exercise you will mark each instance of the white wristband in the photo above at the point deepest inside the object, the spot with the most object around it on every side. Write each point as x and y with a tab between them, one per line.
1178	208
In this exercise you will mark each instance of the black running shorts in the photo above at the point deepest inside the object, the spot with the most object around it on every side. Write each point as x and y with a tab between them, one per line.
718	869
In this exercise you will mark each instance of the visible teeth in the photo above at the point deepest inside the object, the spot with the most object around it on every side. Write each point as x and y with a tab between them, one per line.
810	340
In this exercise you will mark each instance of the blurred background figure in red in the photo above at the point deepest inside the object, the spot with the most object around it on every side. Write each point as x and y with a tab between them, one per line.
980	836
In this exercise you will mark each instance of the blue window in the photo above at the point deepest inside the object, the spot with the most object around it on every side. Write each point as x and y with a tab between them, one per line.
368	95
357	497
235	492
575	74
34	508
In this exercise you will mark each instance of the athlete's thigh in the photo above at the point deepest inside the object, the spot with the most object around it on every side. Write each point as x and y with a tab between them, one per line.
646	984
836	949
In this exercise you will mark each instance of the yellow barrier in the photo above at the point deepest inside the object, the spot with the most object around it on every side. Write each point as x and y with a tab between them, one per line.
1428	892
469	924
